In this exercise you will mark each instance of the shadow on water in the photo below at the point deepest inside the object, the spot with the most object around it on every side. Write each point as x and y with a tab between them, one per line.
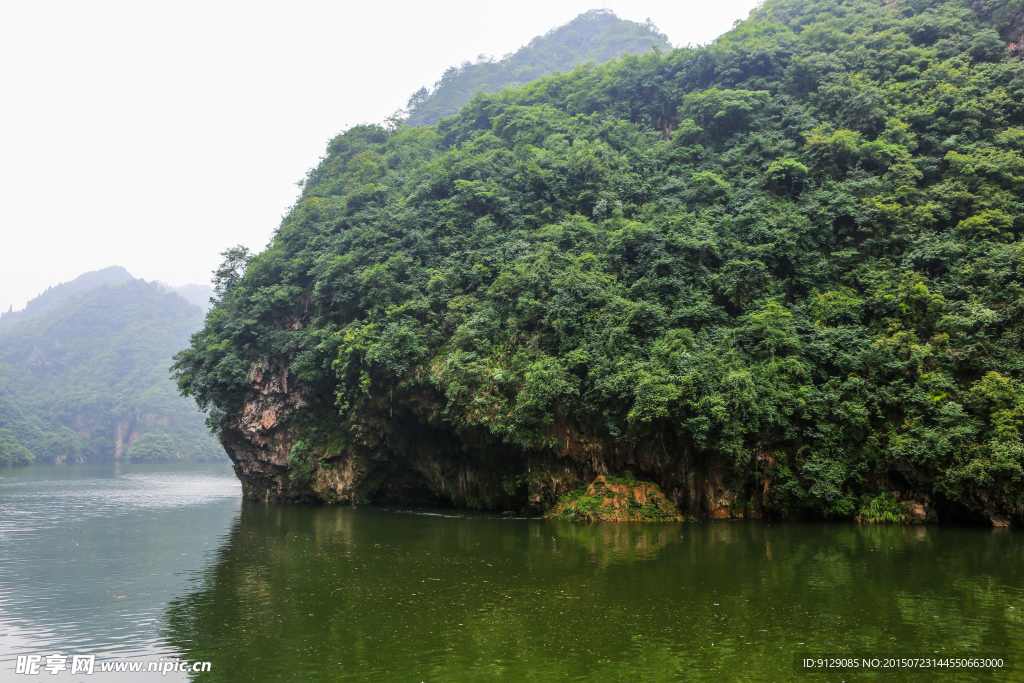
368	594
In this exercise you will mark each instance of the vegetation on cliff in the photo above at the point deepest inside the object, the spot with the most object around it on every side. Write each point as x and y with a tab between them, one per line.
83	375
779	273
615	499
595	36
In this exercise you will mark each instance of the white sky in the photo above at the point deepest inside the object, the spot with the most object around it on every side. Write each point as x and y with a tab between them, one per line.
155	135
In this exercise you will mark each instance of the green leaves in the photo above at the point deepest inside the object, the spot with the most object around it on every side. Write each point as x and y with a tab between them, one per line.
230	271
12	452
794	254
595	36
722	112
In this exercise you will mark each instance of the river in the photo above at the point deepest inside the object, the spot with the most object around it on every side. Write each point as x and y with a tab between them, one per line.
159	563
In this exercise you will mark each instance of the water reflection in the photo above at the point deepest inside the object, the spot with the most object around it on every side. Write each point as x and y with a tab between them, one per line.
617	543
369	594
90	555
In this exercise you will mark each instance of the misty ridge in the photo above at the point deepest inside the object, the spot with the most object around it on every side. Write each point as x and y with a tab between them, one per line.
83	373
83	366
595	37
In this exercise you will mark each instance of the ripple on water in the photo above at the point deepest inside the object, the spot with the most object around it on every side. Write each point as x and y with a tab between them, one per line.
91	555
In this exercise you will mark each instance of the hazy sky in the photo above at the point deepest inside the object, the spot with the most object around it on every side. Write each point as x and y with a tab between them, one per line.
155	135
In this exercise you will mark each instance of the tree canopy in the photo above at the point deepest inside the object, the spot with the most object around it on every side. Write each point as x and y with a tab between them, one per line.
793	256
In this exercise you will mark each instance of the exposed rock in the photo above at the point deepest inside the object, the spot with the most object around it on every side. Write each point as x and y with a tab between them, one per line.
1012	22
1015	34
259	442
920	512
999	520
1012	31
997	510
407	455
616	500
721	504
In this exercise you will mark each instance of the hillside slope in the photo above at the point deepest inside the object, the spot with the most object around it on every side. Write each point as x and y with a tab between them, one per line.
66	290
83	375
777	275
595	36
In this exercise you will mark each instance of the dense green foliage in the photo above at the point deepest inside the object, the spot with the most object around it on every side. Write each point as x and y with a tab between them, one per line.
615	499
795	252
883	508
595	36
85	375
12	452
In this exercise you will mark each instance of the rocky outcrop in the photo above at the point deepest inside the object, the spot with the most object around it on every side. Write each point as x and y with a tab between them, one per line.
921	511
616	500
1009	18
289	444
1015	34
259	441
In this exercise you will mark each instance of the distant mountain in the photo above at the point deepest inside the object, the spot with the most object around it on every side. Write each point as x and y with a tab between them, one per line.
65	290
595	36
198	295
83	375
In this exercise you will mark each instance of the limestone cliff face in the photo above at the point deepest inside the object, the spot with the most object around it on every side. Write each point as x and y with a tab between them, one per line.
404	453
259	441
288	444
278	455
1010	18
1015	34
616	500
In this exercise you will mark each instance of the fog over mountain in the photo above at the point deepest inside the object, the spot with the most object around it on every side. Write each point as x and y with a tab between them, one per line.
83	374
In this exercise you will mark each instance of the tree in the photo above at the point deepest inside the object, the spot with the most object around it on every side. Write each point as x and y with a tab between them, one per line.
12	452
231	270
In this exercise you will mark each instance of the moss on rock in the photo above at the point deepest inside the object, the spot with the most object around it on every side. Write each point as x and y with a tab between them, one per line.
616	499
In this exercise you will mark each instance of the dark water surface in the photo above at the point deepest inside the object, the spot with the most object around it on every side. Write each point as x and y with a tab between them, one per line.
167	561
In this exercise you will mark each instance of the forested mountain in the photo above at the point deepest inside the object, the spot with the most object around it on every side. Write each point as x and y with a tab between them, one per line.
781	274
197	295
65	290
83	375
595	36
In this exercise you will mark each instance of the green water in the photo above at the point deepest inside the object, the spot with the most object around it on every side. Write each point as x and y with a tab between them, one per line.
282	593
